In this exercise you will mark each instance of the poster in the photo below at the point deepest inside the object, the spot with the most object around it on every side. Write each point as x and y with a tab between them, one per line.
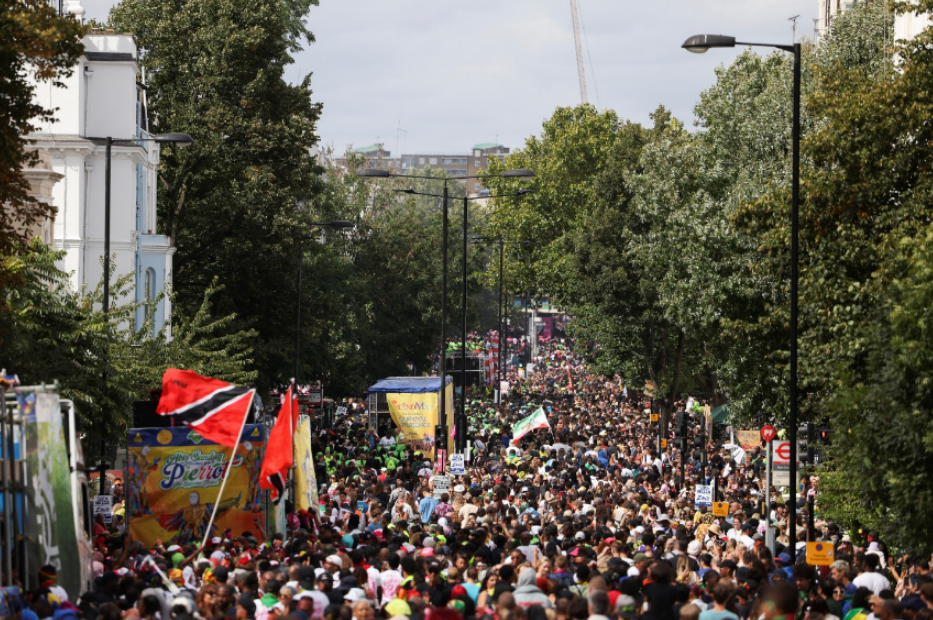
749	440
173	479
305	479
51	530
416	415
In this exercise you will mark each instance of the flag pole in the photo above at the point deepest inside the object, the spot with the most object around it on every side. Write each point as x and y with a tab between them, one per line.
223	484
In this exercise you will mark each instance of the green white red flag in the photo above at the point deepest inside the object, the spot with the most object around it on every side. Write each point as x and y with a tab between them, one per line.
536	420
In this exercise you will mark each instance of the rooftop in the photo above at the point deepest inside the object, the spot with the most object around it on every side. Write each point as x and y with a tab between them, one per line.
373	148
487	145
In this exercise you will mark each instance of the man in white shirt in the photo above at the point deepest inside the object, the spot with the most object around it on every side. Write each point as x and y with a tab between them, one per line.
871	578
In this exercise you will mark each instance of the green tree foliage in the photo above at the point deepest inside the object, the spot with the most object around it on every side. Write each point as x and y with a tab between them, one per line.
232	201
34	40
103	362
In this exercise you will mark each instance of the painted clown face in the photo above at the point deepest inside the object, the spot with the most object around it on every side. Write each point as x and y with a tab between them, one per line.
194	498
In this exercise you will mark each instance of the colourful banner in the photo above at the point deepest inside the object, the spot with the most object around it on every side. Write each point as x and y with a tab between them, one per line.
305	479
416	415
173	478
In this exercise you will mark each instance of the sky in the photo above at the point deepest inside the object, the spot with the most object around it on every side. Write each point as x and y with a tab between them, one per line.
442	75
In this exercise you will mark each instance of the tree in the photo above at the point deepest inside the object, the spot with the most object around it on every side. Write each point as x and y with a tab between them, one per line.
104	362
238	202
34	40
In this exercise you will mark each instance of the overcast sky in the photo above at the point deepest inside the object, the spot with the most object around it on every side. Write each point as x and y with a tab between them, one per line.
452	74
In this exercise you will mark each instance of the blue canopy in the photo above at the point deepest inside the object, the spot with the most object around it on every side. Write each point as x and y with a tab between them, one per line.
408	385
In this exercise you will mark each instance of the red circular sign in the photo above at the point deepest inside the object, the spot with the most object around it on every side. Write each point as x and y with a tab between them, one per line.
782	452
768	433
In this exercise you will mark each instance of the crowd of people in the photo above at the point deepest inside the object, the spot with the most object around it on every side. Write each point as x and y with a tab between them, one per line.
588	519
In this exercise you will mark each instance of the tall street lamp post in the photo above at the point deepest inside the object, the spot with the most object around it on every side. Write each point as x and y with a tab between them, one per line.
700	44
337	225
179	139
460	420
377	173
502	327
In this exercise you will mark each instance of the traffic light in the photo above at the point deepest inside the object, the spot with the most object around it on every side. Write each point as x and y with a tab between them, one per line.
824	436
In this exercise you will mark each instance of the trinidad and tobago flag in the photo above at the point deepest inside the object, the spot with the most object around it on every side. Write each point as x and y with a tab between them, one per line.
279	456
212	408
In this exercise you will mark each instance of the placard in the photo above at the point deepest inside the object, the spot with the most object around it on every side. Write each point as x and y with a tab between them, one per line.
703	495
103	505
441	485
341	411
457	465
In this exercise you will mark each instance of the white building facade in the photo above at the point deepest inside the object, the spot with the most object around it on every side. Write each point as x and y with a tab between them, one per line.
906	26
104	97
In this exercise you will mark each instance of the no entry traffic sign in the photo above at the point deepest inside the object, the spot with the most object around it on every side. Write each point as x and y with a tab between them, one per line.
768	433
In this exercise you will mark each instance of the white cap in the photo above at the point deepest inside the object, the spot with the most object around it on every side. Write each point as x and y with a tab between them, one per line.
173	548
354	595
334	559
216	540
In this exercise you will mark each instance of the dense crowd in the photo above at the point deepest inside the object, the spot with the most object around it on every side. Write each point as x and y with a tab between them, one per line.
585	520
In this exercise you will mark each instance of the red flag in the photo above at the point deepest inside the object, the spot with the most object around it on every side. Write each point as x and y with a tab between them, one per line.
280	456
214	409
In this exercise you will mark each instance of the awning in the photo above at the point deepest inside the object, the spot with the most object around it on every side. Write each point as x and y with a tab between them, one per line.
721	414
408	385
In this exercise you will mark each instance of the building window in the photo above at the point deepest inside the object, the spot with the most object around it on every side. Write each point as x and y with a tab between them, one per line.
434	161
477	163
421	161
457	173
149	294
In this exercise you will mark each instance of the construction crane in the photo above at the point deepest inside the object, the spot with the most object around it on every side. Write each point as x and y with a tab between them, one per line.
576	39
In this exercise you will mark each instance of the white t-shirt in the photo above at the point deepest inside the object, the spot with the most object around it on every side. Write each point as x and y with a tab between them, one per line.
873	581
391	579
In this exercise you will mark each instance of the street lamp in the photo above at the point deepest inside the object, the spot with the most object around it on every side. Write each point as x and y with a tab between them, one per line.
378	173
336	225
699	44
178	139
460	421
502	328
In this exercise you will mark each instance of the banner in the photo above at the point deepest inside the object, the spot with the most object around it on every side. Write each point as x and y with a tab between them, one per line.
173	478
416	415
51	526
305	479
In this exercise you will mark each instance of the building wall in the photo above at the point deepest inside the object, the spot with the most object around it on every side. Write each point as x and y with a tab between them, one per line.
104	99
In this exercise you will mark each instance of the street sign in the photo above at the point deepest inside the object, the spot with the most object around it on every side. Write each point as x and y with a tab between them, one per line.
654	417
703	496
782	453
820	553
720	509
457	465
768	433
780	464
103	505
663	443
441	485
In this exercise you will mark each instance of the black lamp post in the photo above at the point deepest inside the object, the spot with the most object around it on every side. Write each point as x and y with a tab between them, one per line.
337	225
378	173
700	44
179	139
502	328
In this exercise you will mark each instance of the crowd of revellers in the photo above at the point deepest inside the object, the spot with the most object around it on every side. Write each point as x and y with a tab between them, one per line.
586	520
